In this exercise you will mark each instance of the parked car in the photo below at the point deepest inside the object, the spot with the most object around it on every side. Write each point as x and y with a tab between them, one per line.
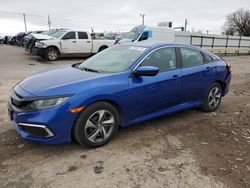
110	36
145	33
12	40
70	43
29	36
35	37
7	39
120	86
19	39
120	36
1	39
97	35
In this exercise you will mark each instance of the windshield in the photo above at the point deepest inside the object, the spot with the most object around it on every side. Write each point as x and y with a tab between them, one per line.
133	34
116	59
51	32
58	33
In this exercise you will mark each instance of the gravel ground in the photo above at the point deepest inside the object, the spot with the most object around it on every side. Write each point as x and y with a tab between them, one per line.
187	149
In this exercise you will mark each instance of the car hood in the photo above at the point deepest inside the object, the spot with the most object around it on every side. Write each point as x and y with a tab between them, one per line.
62	80
42	36
124	41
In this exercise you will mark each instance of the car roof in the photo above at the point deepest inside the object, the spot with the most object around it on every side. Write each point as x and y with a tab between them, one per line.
154	45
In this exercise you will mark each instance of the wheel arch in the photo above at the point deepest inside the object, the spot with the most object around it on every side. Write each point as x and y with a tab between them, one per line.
102	48
53	46
222	84
115	104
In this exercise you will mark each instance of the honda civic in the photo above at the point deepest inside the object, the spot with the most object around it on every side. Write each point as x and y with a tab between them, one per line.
120	86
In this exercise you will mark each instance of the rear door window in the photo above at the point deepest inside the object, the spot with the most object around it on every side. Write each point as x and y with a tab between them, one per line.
82	35
191	57
207	58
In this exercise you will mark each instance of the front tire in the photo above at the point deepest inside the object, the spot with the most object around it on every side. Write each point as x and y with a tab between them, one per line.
96	125
213	98
51	54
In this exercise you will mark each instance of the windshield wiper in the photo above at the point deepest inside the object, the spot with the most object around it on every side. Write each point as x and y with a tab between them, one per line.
90	70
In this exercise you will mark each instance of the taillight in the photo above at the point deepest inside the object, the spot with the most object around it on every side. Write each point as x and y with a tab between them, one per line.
228	67
227	64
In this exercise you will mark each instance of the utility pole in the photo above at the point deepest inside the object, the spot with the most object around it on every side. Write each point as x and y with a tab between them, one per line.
49	22
185	27
142	15
25	25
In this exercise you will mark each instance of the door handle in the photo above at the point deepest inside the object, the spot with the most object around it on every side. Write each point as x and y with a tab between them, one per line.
74	41
208	68
88	41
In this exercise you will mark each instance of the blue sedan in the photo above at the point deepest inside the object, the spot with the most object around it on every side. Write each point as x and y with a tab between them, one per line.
120	86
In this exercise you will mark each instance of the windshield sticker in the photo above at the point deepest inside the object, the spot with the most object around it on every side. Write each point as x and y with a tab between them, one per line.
137	48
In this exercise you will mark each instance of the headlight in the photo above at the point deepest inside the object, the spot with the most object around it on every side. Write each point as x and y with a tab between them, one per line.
46	103
40	45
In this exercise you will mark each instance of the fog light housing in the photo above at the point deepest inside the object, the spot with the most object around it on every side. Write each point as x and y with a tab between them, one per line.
36	130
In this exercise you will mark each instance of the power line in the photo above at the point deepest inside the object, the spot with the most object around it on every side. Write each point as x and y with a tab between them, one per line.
69	19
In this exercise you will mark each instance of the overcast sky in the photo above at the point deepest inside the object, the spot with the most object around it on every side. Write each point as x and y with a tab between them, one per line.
116	15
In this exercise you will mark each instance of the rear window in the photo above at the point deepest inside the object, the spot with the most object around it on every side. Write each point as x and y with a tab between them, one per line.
208	58
191	57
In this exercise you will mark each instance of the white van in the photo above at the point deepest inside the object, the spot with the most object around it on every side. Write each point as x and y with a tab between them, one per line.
142	33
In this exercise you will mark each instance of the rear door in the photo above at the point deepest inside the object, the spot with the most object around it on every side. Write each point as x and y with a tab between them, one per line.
196	75
84	44
150	94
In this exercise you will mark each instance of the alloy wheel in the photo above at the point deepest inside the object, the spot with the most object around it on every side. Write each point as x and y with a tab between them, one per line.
99	126
214	97
52	55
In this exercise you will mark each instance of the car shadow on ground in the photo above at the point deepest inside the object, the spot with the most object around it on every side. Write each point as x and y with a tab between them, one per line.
13	145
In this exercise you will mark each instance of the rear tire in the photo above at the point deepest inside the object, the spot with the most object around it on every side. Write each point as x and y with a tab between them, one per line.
96	125
213	98
51	54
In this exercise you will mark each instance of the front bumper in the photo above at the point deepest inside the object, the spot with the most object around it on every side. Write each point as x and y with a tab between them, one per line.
49	126
39	51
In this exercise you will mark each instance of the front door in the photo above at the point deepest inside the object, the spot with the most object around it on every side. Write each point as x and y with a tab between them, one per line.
69	43
150	94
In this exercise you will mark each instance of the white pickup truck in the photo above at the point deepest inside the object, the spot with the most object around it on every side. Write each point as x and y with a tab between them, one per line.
70	43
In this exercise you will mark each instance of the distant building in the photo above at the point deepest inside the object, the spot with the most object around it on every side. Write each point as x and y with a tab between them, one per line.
165	24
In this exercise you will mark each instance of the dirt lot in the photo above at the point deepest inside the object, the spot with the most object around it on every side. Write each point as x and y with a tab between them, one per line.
187	149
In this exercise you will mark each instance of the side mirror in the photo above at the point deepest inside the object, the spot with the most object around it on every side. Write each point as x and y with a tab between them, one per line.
146	71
